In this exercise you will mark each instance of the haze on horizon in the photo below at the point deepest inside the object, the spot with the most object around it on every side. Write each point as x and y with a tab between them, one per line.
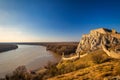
55	20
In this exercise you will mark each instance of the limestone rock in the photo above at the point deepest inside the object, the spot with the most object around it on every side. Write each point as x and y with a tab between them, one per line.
93	40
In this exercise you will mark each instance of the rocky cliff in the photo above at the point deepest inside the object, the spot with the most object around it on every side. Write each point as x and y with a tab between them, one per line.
93	40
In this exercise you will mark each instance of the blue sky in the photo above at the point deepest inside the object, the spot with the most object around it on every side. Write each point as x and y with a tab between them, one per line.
55	20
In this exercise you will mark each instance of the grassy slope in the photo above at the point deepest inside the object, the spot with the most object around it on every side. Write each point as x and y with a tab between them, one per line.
90	70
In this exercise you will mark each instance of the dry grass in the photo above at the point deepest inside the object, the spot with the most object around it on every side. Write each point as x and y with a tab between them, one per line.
105	70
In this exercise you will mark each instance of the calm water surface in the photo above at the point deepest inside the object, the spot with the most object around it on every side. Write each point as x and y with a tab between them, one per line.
33	57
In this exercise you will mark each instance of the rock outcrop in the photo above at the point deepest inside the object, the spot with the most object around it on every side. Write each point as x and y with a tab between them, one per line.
94	40
111	53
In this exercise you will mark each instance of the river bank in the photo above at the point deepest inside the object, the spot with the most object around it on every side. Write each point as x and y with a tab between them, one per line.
44	60
6	47
31	56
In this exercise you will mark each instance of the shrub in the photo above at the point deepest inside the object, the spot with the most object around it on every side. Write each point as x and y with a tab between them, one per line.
51	69
99	58
19	74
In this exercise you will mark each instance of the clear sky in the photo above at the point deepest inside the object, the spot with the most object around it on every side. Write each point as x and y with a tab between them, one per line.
55	20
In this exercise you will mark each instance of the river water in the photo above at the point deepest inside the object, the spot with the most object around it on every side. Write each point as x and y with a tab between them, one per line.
32	56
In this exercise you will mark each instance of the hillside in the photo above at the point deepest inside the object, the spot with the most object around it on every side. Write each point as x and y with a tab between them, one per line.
95	66
99	64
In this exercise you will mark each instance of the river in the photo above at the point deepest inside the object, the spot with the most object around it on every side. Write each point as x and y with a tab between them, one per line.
32	56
